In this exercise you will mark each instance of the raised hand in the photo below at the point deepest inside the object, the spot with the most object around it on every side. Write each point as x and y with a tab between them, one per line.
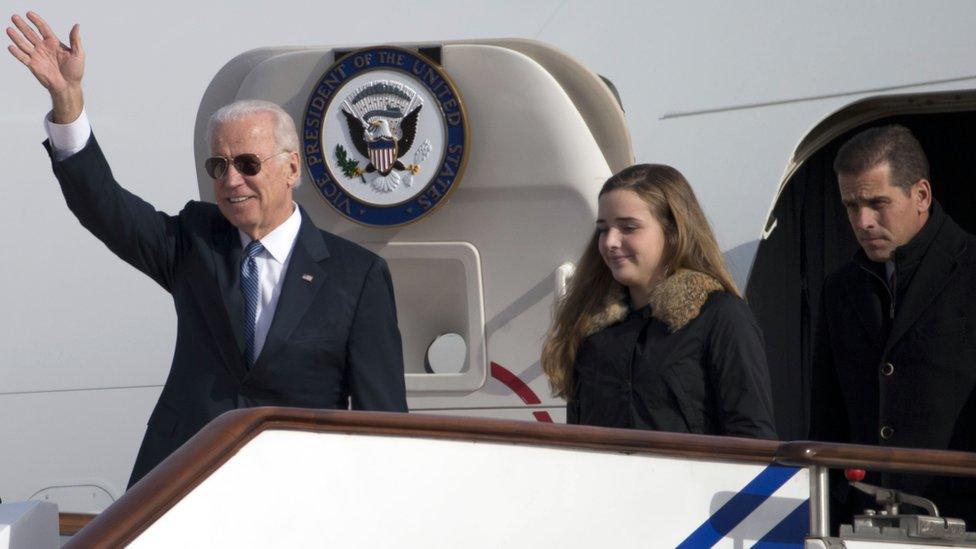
57	67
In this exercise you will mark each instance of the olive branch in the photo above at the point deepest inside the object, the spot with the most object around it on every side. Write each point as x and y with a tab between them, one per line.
349	167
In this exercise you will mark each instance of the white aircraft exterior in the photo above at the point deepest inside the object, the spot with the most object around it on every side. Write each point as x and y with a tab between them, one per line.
726	92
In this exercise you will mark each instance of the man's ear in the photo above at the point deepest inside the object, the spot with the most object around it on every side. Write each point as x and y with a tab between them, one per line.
294	168
922	193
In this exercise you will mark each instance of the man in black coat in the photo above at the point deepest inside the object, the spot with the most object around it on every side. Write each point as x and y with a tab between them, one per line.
271	310
895	359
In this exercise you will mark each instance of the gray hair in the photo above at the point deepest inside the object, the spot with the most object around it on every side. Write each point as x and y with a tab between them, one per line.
285	134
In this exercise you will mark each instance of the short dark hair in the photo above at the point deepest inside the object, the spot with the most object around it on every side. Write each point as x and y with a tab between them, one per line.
893	144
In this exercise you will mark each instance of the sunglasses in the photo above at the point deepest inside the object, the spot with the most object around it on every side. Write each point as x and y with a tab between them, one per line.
246	164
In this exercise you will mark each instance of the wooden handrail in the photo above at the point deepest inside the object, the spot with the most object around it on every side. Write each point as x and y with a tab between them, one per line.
70	523
877	458
203	454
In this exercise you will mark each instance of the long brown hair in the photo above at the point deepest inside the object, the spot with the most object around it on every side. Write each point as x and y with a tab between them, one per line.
689	244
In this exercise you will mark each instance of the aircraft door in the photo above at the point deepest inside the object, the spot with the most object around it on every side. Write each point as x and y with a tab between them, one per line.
812	236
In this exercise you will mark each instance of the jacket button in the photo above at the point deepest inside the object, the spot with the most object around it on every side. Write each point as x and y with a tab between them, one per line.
887	369
886	432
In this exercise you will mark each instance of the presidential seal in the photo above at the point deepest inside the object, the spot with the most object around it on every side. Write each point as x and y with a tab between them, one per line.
385	136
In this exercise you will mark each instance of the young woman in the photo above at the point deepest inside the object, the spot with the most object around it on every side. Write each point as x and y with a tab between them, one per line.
652	333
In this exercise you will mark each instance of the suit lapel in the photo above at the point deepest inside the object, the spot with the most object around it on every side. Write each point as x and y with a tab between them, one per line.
227	256
934	272
868	308
302	280
214	289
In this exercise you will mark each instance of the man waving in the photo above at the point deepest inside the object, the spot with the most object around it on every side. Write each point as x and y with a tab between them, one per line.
271	310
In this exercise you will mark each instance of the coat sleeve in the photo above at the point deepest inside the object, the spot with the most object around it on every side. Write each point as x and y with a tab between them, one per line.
130	227
375	356
828	413
738	372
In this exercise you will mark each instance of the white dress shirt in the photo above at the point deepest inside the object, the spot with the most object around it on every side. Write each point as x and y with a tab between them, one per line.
68	139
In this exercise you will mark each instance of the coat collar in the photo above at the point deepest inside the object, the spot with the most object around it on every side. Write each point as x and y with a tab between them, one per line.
310	237
675	302
907	256
936	268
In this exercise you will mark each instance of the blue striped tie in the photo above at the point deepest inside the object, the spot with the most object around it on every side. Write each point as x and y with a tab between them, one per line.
250	288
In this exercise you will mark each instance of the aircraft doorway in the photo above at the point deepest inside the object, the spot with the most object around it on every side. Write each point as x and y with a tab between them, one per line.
812	237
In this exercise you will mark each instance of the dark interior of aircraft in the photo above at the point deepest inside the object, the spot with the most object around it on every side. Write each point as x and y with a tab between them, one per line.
812	238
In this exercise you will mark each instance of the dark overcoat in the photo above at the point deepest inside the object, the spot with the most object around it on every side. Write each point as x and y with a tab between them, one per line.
904	375
333	341
693	361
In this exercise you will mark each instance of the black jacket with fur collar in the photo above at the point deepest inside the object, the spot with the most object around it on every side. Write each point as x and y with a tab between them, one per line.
692	361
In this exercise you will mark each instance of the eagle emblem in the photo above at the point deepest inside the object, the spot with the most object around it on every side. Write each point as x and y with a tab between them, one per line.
385	135
382	119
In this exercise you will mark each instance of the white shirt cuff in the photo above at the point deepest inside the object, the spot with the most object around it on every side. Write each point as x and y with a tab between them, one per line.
67	139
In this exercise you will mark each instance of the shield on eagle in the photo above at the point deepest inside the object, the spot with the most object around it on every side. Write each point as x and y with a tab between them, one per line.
382	154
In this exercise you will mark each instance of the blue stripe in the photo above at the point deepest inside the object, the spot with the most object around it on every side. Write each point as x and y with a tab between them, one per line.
790	532
382	144
740	506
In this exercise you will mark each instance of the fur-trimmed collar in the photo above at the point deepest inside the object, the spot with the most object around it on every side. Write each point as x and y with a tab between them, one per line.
675	302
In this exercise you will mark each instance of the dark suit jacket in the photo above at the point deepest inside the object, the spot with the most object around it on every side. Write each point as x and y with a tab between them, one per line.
914	373
333	339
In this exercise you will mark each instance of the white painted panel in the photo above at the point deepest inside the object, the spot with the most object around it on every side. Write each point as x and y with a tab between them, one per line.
296	489
28	525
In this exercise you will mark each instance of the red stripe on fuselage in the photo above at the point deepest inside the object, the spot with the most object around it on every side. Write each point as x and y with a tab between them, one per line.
513	382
